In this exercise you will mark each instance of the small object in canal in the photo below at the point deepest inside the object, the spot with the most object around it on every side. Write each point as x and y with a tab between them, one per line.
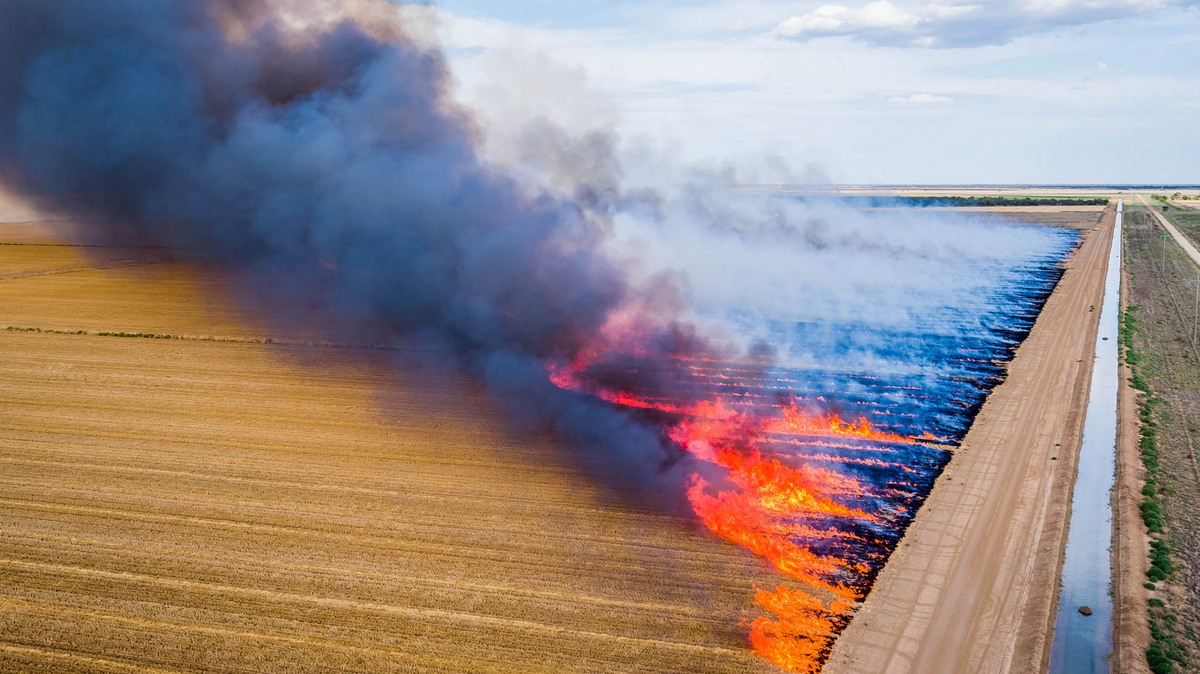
1085	610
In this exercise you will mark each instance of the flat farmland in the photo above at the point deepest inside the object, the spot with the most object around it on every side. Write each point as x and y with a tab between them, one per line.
213	502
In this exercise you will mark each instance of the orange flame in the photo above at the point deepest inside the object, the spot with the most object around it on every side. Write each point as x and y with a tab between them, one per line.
769	506
795	422
800	637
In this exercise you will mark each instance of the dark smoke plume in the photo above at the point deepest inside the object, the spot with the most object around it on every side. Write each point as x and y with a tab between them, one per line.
312	148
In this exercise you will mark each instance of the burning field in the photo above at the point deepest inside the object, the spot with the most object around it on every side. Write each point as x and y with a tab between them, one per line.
818	469
795	374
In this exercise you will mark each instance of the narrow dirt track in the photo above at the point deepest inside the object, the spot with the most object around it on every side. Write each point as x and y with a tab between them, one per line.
1179	237
973	585
1131	615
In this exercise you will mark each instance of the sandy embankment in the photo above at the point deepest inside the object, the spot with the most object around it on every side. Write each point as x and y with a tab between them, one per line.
973	585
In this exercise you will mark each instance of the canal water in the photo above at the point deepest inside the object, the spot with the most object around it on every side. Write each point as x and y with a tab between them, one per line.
1082	643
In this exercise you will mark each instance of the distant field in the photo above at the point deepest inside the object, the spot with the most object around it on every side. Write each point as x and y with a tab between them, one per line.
1073	206
934	191
1015	201
1052	191
236	506
1187	222
1074	217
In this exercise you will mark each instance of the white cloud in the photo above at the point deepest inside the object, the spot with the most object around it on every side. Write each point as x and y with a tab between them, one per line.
920	99
835	19
953	23
702	94
1101	65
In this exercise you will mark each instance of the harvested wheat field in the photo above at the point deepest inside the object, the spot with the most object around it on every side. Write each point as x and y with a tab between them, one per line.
215	503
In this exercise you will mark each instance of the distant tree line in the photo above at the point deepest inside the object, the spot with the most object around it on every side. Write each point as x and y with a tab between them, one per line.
1003	201
1178	196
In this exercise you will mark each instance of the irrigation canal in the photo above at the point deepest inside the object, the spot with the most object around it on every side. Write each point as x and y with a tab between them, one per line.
1082	643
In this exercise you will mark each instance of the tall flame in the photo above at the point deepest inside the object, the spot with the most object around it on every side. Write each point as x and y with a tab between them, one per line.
782	506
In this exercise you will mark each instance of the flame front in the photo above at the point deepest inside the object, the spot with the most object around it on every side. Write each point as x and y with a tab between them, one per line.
765	487
772	508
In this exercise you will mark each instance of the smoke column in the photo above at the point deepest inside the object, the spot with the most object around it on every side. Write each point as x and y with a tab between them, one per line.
312	147
312	150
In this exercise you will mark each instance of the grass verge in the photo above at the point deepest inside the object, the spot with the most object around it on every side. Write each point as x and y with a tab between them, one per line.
1164	653
1158	341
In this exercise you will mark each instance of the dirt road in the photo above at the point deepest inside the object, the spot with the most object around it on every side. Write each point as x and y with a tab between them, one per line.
1180	239
972	587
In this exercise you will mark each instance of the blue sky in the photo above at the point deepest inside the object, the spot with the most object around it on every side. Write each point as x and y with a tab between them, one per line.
1057	91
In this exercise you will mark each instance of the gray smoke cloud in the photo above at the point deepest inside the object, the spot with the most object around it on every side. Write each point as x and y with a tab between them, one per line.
754	263
313	149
